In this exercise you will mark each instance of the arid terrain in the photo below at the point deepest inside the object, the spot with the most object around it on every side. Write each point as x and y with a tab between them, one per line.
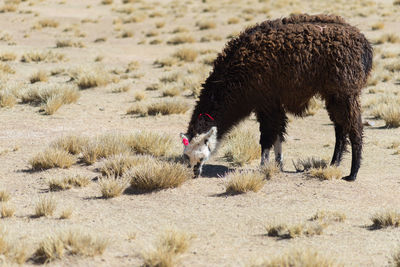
96	74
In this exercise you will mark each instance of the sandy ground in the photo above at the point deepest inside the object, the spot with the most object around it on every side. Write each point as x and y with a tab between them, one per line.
230	230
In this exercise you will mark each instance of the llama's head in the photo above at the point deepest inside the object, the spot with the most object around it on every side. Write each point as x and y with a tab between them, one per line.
199	149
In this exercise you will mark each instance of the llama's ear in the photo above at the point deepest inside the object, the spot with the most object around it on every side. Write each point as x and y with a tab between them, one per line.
185	139
211	138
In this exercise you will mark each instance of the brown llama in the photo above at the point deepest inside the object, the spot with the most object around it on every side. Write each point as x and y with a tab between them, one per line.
275	67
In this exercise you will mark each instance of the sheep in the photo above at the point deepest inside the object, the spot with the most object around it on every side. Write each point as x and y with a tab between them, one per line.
276	67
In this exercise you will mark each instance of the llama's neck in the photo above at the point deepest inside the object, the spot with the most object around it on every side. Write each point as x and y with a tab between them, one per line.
216	107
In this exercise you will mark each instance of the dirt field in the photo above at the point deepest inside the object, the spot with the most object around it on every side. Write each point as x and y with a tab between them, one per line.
101	39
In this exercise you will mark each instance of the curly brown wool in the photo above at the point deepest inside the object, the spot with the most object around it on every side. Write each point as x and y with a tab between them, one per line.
277	66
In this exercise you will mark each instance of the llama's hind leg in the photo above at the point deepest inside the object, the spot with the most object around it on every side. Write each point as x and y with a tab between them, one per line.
278	151
340	144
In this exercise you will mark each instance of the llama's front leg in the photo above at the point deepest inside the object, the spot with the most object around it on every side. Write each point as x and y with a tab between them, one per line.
264	155
278	151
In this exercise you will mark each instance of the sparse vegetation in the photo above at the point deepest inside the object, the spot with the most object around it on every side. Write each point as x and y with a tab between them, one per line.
45	206
39	76
328	216
91	77
244	181
73	144
167	107
7	211
4	196
241	146
156	175
295	230
186	54
69	242
327	173
181	39
305	164
167	249
48	56
52	158
68	182
117	165
385	219
112	186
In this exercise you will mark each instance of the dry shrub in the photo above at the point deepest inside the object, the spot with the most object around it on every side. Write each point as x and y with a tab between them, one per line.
126	34
156	175
4	196
47	23
305	164
73	144
52	158
270	169
103	147
233	20
186	54
210	37
171	77
377	26
167	249
391	116
69	43
180	29
72	242
388	38
121	88
298	258
241	146
48	56
107	2
7	211
8	8
206	25
39	76
167	107
117	165
385	219
244	181
137	109
112	186
68	182
5	68
7	99
181	39
11	251
327	173
7	56
171	90
328	216
45	206
295	230
139	96
91	77
166	62
66	214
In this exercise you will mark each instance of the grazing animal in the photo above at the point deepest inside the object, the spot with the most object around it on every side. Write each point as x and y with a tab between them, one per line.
276	67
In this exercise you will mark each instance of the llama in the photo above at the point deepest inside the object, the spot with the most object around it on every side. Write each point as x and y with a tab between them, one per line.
275	67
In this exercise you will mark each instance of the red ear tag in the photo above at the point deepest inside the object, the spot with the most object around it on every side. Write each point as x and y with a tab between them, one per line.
185	142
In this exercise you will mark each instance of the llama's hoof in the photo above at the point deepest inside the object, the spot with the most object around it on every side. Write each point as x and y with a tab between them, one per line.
349	178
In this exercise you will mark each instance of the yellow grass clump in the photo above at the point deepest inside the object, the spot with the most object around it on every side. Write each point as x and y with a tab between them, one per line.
305	164
295	230
91	77
377	26
244	181
388	38
139	96
7	56
121	88
171	90
327	173
4	196
167	107
68	182
117	165
45	206
151	143
7	99
7	211
206	25
138	109
73	144
39	76
47	56
52	158
391	116
112	186
69	43
5	68
156	175
47	23
241	146
270	169
328	216
66	214
11	251
186	54
298	258
72	242
181	39
385	219
167	249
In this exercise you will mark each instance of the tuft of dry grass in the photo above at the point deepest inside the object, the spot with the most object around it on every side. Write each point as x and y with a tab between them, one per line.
137	109
121	88
7	99
68	182
46	23
186	54
377	26
52	158
269	170
181	39
295	230
4	196
167	249
39	76
298	258
313	106
166	62
385	219
91	77
73	144
239	182
305	164
206	25
47	56
139	96
102	147
171	90
69	43
388	38
396	255
66	214
7	56
327	173
167	107
156	175
391	115
7	211
117	165
328	216
241	146
45	206
5	68
112	186
69	242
